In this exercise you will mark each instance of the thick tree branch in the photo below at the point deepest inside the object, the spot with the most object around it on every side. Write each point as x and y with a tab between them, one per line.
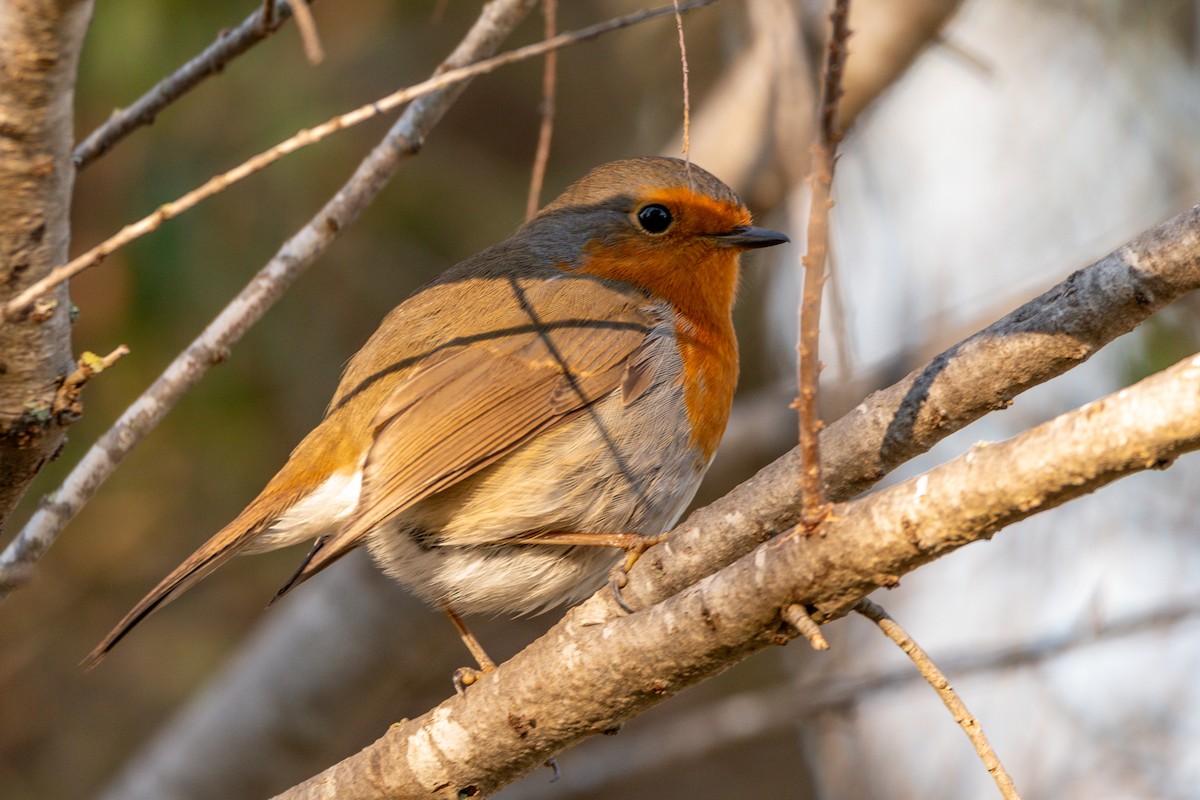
40	42
496	21
1040	340
606	668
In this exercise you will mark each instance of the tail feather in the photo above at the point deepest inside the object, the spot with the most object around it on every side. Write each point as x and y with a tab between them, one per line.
212	554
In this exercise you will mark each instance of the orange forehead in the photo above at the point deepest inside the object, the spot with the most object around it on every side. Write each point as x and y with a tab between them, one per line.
697	213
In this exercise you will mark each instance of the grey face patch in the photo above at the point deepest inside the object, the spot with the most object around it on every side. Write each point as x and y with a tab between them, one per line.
560	236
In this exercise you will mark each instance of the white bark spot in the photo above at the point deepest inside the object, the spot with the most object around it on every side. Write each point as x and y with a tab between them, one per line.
450	737
570	655
438	741
424	760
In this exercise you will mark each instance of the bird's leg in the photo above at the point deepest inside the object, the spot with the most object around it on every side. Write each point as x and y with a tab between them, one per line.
465	676
634	544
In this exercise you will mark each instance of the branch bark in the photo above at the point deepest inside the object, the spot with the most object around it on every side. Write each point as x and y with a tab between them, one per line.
40	42
605	668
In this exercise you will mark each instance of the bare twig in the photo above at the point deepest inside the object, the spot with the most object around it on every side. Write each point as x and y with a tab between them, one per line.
20	304
941	685
308	32
228	46
403	140
546	129
66	402
824	153
687	100
796	616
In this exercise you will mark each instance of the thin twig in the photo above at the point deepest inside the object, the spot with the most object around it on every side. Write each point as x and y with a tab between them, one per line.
20	304
938	681
495	22
687	101
228	46
824	154
546	130
308	32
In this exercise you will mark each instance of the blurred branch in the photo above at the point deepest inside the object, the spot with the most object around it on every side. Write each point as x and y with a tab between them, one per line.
212	60
40	43
273	721
606	668
714	727
497	19
886	44
755	125
308	32
19	305
935	678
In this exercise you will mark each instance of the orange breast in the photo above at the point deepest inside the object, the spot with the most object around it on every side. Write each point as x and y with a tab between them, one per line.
710	372
698	277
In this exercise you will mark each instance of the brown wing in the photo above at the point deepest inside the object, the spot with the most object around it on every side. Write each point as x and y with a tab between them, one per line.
474	404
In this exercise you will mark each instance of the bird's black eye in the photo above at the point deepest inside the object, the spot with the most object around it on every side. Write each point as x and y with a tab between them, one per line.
654	218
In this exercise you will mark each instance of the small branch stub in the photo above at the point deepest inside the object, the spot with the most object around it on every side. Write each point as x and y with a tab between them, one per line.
796	616
67	406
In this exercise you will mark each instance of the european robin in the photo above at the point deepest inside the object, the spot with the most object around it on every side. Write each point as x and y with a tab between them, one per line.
549	399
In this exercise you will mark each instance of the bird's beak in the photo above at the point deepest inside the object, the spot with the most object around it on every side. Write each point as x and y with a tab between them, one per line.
747	238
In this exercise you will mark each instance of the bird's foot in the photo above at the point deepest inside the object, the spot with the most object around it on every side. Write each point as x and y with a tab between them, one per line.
618	578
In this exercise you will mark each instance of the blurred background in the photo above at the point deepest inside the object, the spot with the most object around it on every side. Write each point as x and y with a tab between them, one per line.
995	146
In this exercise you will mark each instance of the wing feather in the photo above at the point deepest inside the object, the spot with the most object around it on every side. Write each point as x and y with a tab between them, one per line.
476	403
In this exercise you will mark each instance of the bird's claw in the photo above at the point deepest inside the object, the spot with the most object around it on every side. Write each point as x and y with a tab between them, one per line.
464	677
619	577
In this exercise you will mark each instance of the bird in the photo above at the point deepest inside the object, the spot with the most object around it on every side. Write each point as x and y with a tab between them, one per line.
535	411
